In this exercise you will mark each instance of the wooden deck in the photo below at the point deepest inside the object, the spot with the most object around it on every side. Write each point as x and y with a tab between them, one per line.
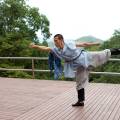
23	99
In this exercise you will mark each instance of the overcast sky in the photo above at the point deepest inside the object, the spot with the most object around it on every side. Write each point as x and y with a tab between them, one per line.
77	18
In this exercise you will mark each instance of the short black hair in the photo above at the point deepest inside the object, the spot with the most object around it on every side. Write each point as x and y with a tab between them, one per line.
59	36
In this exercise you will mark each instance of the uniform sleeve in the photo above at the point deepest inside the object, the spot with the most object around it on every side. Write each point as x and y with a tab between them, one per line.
71	44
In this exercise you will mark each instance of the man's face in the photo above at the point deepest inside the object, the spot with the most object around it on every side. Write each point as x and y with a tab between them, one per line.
57	42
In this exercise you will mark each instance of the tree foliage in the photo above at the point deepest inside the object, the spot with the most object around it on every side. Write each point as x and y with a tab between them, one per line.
18	26
17	17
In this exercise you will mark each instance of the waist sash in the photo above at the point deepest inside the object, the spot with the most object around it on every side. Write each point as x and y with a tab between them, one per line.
75	57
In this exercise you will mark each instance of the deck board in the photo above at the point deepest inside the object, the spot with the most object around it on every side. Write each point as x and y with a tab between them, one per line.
23	99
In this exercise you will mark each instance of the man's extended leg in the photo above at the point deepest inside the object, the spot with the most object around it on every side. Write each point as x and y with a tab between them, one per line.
99	58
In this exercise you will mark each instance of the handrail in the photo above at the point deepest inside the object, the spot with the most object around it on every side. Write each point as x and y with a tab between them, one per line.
106	73
114	59
28	58
46	58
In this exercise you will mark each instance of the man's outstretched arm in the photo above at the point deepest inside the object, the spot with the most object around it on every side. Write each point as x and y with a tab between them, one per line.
86	44
41	48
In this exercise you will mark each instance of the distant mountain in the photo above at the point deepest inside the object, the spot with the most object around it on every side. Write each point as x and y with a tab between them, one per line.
88	39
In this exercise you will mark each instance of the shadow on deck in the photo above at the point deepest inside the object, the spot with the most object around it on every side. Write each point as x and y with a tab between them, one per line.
23	99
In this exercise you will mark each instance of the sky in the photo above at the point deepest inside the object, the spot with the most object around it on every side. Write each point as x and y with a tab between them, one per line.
77	18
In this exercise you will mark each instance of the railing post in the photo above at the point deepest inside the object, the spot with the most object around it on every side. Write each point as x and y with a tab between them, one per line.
33	74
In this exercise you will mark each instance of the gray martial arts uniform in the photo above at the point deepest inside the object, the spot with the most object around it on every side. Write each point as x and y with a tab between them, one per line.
80	61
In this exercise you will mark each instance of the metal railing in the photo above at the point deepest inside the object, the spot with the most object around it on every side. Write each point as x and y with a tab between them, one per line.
33	70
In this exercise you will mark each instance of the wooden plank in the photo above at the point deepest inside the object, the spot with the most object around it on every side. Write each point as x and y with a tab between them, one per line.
103	99
20	96
90	103
51	100
114	108
44	109
68	115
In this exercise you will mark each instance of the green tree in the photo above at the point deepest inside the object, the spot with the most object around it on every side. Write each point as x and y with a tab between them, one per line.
18	26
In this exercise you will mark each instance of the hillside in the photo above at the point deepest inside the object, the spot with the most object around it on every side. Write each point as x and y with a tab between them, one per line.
89	39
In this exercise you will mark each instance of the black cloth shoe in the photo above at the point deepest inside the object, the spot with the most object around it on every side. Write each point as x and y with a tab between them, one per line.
115	51
78	104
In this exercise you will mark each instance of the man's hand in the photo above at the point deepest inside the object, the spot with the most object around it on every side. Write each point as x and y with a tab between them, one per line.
32	45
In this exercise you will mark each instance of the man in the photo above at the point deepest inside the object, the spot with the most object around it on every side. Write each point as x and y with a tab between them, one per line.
78	60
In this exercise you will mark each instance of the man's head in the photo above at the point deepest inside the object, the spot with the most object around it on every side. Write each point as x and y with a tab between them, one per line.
58	40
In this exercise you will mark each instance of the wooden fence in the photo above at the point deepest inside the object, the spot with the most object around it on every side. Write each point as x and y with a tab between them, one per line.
33	70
